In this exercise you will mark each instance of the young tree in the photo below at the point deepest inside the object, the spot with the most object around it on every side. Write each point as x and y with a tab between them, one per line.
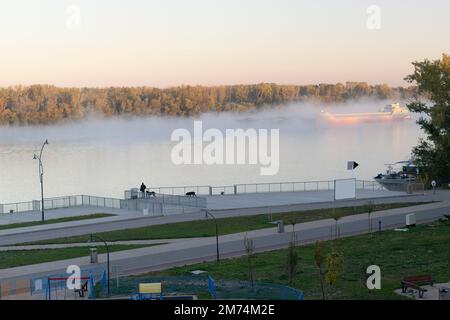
292	221
249	248
319	260
432	154
336	215
335	267
292	262
370	207
292	251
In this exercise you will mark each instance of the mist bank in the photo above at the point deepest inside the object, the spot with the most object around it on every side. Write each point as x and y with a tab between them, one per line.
99	156
303	118
44	104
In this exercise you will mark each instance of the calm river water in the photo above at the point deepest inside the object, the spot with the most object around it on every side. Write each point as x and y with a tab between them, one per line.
105	157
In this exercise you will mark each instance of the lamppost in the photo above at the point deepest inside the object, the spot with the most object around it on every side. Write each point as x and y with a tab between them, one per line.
41	177
107	258
207	213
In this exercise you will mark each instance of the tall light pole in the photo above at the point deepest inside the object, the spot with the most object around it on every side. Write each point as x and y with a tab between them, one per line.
207	213
41	177
107	259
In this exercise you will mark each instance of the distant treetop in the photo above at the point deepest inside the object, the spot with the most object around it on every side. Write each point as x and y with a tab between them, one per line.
44	104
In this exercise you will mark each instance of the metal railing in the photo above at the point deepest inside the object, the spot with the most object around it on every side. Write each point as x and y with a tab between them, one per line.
285	186
61	202
368	185
166	199
176	196
181	190
17	207
320	185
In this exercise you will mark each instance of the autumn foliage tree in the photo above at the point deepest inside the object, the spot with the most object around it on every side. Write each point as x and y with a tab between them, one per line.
43	104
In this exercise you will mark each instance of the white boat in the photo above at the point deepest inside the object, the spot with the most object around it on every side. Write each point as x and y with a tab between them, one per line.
397	179
389	113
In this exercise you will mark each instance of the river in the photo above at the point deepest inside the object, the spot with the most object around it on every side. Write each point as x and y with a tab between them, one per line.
105	157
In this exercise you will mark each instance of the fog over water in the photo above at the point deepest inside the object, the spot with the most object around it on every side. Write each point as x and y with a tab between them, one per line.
106	156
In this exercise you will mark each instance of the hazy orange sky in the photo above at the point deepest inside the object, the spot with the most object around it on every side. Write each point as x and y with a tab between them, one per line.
209	42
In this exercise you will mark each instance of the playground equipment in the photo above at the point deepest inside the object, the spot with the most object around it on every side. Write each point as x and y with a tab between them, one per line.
66	288
149	291
202	286
61	286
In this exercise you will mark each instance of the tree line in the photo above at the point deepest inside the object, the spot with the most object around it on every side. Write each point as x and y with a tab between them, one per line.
45	104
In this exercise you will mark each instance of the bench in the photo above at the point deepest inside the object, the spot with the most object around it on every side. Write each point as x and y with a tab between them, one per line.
150	291
416	282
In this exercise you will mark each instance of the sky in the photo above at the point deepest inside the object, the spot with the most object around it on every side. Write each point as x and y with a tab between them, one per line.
163	43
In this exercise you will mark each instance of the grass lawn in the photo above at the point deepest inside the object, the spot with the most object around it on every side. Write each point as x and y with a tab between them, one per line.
206	228
16	258
424	249
57	220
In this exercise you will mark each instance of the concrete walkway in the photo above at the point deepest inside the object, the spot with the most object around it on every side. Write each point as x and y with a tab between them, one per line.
217	202
17	217
92	244
82	227
251	200
204	249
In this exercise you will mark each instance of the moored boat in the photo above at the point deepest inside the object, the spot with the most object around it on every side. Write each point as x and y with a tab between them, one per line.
398	179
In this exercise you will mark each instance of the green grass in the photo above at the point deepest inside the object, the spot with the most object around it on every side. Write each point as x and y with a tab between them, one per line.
16	258
52	221
424	249
205	228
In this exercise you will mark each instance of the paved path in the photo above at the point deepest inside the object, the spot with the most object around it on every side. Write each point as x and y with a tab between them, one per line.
247	200
432	292
75	228
198	250
90	244
17	217
251	200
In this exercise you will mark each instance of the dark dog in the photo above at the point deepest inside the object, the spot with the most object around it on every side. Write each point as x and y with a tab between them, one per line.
191	194
151	194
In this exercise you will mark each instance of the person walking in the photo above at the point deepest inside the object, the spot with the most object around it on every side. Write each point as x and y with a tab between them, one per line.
143	188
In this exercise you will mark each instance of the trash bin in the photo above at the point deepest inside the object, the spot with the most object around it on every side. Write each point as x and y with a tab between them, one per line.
280	225
94	255
444	293
410	220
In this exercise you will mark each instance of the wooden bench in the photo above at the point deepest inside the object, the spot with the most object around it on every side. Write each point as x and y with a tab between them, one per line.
416	282
150	291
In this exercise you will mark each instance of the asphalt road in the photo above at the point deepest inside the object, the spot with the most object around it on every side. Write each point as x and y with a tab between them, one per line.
198	250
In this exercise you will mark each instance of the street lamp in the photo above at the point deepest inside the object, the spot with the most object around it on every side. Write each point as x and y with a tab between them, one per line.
107	258
207	213
41	177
